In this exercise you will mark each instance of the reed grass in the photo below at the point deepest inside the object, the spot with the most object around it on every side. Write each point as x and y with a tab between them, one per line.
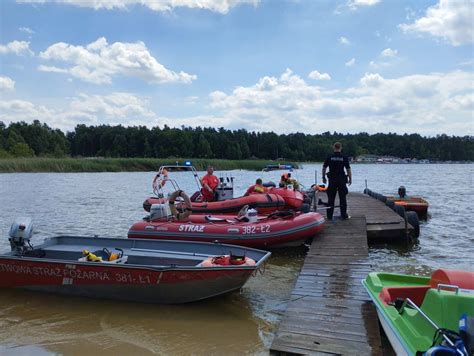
39	164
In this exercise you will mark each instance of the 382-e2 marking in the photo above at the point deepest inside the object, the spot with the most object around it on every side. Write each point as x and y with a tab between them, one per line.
256	229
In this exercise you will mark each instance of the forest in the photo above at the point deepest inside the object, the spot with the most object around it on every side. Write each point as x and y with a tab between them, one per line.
21	139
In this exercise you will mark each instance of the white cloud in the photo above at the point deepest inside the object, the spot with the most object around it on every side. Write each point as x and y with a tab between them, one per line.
52	69
26	30
99	61
428	104
219	6
461	102
386	58
19	48
343	40
319	76
388	52
449	19
371	80
122	106
410	13
22	110
6	84
354	4
114	108
350	62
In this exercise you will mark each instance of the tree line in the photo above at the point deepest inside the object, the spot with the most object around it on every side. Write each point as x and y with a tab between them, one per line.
21	139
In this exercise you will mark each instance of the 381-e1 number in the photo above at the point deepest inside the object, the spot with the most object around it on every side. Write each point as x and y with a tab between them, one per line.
128	278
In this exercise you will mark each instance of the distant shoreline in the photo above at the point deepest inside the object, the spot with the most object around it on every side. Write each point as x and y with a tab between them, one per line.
76	165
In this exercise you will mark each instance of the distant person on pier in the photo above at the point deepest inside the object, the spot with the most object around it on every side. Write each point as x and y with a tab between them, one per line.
338	179
257	188
209	184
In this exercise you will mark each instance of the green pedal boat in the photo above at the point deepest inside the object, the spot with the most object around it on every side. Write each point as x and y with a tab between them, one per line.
425	316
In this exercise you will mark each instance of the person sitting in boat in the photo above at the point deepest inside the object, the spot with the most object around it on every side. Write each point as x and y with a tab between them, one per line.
286	180
257	188
209	184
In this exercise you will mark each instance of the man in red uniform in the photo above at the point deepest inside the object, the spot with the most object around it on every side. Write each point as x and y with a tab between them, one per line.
209	184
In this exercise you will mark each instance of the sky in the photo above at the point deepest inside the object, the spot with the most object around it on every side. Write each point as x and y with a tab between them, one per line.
289	66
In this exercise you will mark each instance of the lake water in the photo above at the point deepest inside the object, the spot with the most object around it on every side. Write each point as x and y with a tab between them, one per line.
106	204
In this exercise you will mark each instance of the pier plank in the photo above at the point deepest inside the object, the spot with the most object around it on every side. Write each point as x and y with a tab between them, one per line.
328	312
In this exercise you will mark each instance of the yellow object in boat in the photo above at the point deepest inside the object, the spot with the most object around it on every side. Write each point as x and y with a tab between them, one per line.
90	256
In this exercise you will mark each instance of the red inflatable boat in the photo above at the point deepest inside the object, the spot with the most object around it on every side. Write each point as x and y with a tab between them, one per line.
263	203
293	198
267	232
274	199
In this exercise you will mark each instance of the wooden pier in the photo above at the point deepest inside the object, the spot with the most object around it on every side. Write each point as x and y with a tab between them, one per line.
329	312
383	224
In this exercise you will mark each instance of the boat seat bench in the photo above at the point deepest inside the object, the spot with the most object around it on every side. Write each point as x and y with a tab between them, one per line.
134	257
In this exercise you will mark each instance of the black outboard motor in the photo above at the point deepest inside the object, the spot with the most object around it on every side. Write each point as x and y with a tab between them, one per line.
402	192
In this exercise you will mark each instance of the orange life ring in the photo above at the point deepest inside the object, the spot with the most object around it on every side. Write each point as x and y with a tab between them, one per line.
187	205
320	187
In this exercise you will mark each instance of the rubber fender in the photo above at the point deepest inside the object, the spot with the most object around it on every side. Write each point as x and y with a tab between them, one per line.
269	184
412	219
390	204
400	210
305	208
146	205
383	198
366	191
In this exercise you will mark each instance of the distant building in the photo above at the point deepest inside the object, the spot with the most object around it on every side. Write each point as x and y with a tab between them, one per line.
366	159
388	159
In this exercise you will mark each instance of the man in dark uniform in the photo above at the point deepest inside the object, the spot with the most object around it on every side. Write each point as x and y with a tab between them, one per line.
337	180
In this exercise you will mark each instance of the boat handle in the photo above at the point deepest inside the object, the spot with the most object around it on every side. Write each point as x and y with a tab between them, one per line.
448	287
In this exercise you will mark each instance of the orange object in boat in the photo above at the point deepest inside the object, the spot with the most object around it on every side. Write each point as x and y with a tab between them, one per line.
320	187
227	260
417	204
461	279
